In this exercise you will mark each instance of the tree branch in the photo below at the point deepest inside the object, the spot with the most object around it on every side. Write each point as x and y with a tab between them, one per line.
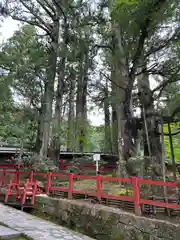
5	68
34	23
144	34
31	10
45	9
61	9
165	83
174	37
150	70
140	46
50	6
109	79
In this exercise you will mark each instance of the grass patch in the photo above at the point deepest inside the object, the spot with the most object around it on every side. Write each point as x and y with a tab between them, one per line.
89	185
112	188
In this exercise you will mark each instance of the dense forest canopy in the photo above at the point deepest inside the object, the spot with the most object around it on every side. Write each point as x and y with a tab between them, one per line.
68	56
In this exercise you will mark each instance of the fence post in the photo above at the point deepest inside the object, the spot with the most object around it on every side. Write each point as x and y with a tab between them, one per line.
99	186
71	185
137	207
49	182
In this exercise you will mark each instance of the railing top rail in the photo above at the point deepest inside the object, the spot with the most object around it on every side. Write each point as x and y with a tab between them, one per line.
157	183
9	170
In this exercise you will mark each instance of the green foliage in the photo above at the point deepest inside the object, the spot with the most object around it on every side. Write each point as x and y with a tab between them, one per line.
93	141
171	96
37	163
23	57
120	5
26	73
176	142
134	16
96	138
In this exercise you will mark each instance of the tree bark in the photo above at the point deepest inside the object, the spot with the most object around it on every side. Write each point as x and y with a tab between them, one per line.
56	141
71	116
49	89
81	103
147	103
124	85
108	142
114	125
38	141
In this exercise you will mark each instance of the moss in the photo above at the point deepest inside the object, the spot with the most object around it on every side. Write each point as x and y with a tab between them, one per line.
104	223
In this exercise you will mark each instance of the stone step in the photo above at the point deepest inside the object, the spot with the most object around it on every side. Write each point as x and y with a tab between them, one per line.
36	228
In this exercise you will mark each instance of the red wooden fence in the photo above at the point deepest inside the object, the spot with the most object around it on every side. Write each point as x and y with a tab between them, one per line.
98	193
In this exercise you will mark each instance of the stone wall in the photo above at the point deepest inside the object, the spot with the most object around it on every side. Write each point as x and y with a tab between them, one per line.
106	223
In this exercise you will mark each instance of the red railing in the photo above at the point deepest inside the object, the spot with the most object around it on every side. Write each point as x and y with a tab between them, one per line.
15	189
98	192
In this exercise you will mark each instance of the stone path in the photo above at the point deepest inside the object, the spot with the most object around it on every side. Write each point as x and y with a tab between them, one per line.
34	227
6	233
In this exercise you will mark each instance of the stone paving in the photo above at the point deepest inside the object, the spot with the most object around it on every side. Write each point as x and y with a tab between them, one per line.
6	233
36	228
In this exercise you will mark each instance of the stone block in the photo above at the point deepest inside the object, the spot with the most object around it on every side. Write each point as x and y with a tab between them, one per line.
109	223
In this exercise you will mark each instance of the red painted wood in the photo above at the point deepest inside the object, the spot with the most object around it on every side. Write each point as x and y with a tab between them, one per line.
97	193
49	182
34	192
99	186
23	199
9	192
137	207
157	183
71	185
30	189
